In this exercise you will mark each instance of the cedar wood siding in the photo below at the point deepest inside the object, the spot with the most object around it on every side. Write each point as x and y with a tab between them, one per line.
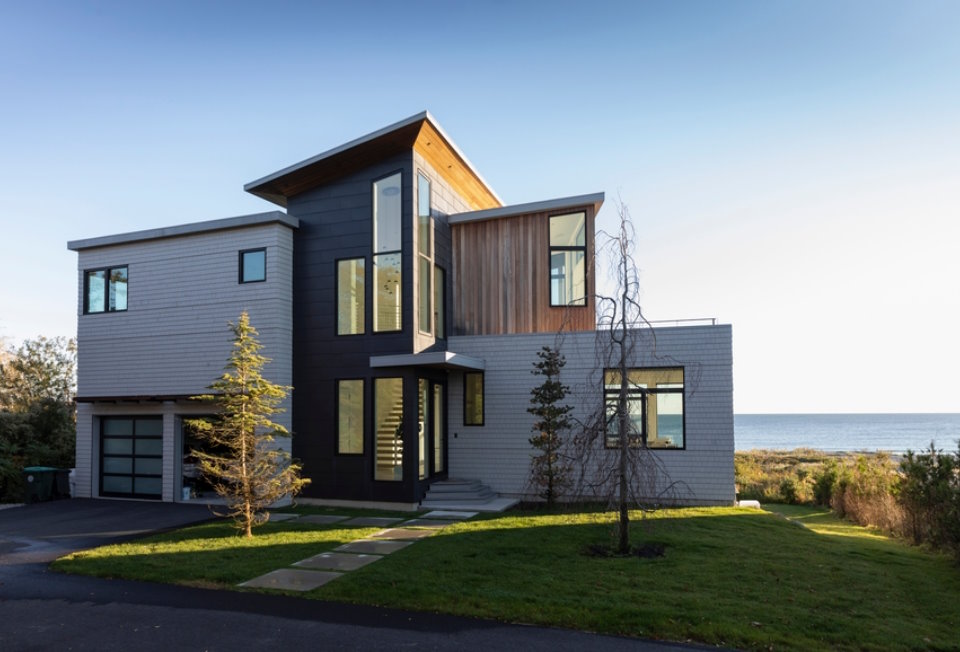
502	277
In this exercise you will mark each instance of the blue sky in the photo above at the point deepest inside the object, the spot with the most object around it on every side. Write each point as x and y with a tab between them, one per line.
791	167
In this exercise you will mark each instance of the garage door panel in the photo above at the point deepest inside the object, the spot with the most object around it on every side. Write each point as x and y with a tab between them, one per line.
131	456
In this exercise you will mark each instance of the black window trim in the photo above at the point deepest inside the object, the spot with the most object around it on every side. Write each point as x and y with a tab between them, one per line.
642	392
336	281
106	289
551	249
443	295
375	253
483	394
363	417
240	266
431	326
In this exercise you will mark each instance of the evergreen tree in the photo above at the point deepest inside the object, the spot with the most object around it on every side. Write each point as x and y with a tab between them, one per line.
549	473
242	461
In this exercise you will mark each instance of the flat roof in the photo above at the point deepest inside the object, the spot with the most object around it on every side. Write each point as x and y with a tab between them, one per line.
279	185
561	203
442	359
238	222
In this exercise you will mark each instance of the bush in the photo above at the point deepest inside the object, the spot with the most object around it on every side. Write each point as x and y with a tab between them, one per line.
824	480
929	491
864	493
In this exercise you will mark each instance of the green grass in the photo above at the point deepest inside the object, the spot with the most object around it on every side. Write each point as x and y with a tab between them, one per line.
736	577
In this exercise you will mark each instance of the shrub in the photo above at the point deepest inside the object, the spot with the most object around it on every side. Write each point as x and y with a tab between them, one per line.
929	491
824	480
864	493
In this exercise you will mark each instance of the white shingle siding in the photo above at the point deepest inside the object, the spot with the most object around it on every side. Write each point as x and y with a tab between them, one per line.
498	453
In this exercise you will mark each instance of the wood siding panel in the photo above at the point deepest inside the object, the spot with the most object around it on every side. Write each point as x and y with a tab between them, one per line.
501	274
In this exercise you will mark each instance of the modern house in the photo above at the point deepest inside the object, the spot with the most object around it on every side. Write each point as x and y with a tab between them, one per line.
405	303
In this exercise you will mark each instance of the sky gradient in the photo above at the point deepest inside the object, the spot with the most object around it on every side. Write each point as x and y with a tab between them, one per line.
792	168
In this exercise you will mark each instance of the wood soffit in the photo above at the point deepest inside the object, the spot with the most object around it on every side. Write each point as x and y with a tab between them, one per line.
420	135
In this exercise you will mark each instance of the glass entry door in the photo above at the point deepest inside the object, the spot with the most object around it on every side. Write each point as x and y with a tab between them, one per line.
432	430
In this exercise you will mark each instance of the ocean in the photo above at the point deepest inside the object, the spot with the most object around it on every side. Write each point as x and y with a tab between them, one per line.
895	433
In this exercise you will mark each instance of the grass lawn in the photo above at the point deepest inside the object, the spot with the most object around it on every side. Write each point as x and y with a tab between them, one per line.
737	577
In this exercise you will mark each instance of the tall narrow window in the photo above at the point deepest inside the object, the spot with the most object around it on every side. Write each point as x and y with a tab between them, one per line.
473	398
253	265
105	290
351	281
439	305
568	255
388	421
438	428
387	231
425	251
423	407
654	407
350	417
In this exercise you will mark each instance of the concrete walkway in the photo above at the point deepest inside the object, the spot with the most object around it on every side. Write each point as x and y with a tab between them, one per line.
324	567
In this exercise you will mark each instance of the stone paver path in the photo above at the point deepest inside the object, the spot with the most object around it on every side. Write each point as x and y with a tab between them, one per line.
319	569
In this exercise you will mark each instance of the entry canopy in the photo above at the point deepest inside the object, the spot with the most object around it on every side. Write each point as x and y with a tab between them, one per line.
440	359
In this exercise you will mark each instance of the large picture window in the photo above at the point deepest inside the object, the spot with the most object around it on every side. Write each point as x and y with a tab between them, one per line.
388	421
387	232
654	407
568	256
351	281
350	417
105	290
473	398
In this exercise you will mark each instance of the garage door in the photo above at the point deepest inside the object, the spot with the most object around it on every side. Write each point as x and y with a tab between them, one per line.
131	456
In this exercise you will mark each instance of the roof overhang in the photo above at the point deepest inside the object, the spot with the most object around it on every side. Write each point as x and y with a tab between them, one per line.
549	205
440	359
239	222
420	131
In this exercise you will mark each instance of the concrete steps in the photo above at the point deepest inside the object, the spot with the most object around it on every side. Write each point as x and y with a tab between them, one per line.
456	494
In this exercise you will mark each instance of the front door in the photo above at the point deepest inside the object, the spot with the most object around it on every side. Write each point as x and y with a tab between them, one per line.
432	429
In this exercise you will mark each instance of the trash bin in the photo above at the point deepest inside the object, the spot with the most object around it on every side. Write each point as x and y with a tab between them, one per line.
61	488
39	482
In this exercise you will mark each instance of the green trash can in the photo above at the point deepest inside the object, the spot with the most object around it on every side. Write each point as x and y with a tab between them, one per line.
39	482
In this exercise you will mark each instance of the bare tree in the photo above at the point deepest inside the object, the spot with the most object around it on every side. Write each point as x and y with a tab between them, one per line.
613	461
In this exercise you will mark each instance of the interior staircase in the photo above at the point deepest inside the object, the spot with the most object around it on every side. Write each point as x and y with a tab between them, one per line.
464	495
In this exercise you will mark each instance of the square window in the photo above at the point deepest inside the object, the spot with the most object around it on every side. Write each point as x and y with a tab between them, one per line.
253	265
105	290
654	410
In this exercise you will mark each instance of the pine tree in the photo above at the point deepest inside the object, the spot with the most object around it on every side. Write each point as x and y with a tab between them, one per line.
548	471
242	461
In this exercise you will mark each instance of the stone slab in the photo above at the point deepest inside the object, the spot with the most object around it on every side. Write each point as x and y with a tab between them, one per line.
337	561
447	514
323	519
276	517
288	579
426	522
400	533
367	546
372	521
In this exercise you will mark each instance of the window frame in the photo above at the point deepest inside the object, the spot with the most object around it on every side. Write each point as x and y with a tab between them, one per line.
363	417
425	258
550	251
106	289
376	254
645	394
440	307
240	266
483	398
336	282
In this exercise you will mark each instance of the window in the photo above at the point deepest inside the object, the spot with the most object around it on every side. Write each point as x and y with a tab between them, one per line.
568	255
439	305
473	398
105	290
350	417
350	296
423	405
387	230
388	421
424	247
654	407
253	265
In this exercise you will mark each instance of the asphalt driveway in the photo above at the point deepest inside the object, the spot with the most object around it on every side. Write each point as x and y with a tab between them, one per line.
41	532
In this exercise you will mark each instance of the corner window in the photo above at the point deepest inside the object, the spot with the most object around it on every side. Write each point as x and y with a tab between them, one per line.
351	281
105	290
387	230
654	407
473	398
253	265
350	417
568	256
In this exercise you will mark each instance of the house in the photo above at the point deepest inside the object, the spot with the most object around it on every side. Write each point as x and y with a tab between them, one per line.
405	303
